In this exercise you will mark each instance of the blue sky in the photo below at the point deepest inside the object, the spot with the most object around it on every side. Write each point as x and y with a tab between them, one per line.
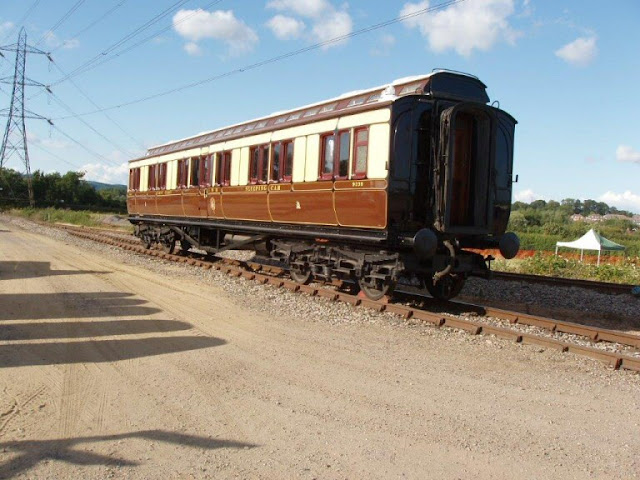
567	70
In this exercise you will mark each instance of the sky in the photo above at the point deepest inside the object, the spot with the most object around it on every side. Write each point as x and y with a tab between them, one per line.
130	74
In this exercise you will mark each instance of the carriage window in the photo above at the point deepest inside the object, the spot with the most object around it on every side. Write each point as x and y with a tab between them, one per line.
259	164
334	161
162	176
183	172
201	171
276	162
195	171
223	172
401	162
205	166
151	180
287	161
134	179
360	152
281	161
343	155
327	157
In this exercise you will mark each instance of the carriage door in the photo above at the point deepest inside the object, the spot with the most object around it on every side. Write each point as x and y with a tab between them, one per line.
464	170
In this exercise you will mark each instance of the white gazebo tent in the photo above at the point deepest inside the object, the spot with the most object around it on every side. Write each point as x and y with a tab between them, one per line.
591	240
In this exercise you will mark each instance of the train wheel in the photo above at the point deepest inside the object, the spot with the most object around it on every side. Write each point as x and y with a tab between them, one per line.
300	275
375	289
168	246
445	288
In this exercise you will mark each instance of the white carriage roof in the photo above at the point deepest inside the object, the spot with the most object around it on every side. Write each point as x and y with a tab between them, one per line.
354	100
399	81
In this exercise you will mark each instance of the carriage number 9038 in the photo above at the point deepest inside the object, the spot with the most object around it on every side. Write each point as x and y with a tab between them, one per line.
357	184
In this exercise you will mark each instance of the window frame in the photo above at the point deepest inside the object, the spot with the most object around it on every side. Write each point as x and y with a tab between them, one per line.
152	178
206	170
183	172
358	175
134	179
283	164
261	174
321	174
223	169
194	171
162	176
200	169
335	174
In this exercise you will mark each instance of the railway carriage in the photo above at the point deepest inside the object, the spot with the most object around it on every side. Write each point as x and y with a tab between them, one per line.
398	182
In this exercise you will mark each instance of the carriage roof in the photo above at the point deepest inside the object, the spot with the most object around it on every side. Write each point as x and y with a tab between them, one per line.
441	83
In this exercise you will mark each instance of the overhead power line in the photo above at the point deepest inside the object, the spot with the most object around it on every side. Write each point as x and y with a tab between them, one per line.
84	147
54	155
22	20
93	23
113	56
123	40
107	116
100	134
277	58
63	19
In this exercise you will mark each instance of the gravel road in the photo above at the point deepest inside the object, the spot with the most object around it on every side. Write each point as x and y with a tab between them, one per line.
115	365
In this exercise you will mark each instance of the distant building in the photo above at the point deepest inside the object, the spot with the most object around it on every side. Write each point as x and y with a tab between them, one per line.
615	216
596	218
593	218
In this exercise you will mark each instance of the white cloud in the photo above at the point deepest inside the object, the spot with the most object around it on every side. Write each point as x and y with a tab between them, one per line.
384	46
106	173
304	8
333	25
52	41
196	25
580	52
70	44
50	143
463	27
624	201
192	48
624	153
5	27
328	22
526	196
286	28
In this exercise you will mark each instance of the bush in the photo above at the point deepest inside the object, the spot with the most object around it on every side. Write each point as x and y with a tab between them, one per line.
55	215
625	271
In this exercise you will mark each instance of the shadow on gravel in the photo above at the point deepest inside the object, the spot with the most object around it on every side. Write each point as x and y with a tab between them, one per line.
47	330
99	351
26	306
32	452
13	270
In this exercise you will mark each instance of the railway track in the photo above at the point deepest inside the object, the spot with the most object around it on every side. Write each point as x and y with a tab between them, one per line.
602	287
618	349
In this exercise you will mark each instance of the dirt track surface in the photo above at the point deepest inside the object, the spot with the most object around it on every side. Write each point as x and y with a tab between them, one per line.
112	370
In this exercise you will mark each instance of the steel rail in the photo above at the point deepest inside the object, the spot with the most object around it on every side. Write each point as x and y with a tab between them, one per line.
265	274
603	287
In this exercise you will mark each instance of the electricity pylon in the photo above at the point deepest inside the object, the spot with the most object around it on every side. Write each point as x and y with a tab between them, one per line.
15	135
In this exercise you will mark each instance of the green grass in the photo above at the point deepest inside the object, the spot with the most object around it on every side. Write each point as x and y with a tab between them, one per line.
624	270
53	215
